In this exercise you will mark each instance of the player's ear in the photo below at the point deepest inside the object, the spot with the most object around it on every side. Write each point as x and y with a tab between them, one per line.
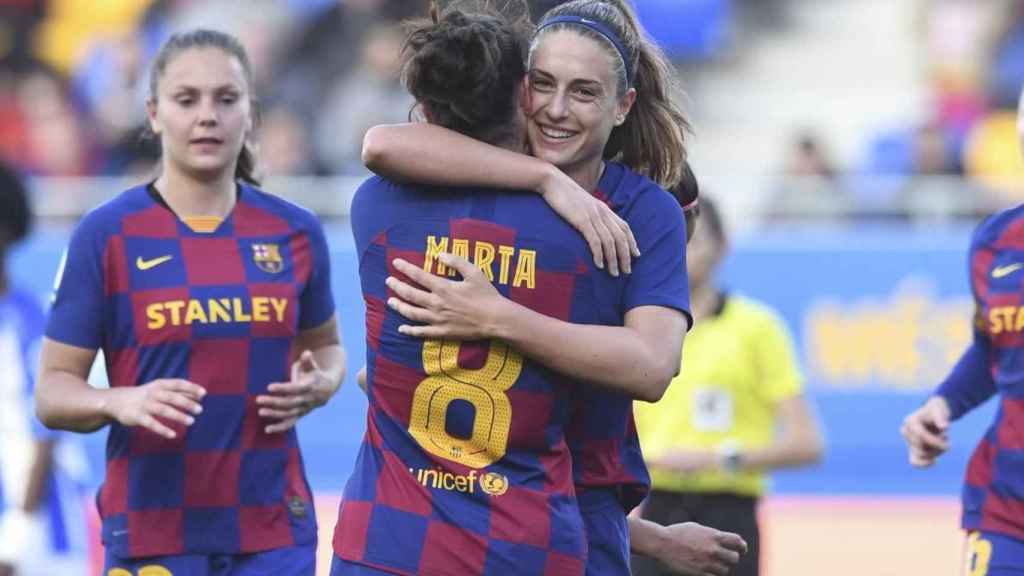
154	124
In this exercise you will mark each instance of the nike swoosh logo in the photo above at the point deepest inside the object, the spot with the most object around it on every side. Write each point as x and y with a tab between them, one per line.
1002	271
147	264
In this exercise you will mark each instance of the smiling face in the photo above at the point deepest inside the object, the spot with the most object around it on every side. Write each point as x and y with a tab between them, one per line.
202	112
574	102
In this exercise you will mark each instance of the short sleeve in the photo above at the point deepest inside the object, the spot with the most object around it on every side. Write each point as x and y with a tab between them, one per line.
779	369
76	317
369	210
317	302
659	274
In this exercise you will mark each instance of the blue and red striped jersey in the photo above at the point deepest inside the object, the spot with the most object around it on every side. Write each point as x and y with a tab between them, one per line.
220	309
602	434
993	495
464	468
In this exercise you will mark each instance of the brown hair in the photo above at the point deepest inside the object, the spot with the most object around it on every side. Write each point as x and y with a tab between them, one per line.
653	138
464	65
245	169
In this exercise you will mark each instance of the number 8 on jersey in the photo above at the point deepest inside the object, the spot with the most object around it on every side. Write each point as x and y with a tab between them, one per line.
484	388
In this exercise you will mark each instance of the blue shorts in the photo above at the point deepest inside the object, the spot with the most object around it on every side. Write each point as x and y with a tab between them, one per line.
342	567
607	533
290	561
991	554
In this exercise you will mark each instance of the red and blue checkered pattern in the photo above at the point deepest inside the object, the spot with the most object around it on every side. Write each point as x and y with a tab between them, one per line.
993	495
602	434
389	518
222	485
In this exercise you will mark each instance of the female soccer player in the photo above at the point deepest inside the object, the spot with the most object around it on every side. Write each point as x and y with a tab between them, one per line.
464	468
993	493
710	439
596	90
211	302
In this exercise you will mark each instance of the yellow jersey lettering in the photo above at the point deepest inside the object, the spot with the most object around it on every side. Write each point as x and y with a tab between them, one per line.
156	317
1008	318
195	313
220	310
240	314
1005	319
995	323
526	269
280	305
260	309
483	256
435	247
175	307
515	266
459	248
506	253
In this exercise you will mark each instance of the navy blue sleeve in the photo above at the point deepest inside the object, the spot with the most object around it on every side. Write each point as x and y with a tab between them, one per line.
659	274
317	302
970	383
369	214
76	317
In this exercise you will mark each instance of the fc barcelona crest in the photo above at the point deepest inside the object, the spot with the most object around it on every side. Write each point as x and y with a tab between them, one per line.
267	257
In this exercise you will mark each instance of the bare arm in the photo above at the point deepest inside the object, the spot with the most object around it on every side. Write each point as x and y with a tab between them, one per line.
639	358
797	443
431	154
686	548
66	401
315	377
41	464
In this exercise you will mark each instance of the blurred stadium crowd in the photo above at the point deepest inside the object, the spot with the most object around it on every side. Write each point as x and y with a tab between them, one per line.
73	77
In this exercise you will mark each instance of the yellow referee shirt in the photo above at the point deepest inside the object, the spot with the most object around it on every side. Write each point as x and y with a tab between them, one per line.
737	366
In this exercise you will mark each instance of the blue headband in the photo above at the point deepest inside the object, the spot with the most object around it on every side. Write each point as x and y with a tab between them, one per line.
601	29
